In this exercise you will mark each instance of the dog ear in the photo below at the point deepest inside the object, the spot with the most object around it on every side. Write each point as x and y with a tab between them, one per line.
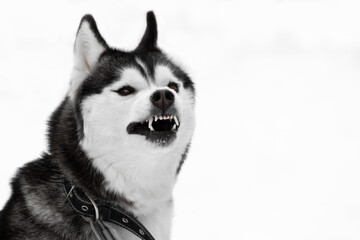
89	44
149	40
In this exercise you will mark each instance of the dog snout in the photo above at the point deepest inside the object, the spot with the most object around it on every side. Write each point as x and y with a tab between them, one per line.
162	99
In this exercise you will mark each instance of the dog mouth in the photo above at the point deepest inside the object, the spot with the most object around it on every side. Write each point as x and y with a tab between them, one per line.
160	129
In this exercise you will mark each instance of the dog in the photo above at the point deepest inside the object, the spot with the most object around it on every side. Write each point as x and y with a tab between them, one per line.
116	145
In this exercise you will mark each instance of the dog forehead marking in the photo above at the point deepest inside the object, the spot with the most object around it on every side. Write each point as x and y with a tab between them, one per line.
131	76
142	65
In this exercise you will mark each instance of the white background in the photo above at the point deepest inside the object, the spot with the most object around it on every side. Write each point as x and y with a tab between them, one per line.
276	149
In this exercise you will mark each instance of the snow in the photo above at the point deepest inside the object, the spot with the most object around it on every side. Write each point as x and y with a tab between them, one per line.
276	149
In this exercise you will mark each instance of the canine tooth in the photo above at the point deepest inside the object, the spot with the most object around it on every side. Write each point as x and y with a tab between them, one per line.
150	124
173	127
156	118
176	120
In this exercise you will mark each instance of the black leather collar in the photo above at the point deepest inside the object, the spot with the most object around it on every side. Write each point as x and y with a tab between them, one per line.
103	211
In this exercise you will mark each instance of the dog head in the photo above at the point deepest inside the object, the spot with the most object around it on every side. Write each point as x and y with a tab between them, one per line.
132	107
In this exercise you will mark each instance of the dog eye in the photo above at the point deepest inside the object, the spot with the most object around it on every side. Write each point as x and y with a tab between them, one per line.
126	90
174	86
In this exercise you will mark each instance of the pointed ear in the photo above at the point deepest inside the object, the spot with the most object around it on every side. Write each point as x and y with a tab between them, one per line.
149	40
89	45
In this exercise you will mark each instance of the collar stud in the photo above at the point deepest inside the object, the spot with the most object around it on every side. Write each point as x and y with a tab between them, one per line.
84	208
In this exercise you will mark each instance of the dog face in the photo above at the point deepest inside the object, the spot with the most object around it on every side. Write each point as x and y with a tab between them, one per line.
133	108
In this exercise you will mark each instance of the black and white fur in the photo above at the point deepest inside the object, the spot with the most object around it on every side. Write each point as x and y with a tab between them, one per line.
98	138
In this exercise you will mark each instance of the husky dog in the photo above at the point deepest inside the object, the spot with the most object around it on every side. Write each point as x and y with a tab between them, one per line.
120	136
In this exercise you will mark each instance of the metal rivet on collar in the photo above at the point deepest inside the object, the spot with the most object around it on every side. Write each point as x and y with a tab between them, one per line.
84	208
141	232
125	220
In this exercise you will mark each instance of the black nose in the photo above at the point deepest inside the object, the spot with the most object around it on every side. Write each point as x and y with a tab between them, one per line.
162	99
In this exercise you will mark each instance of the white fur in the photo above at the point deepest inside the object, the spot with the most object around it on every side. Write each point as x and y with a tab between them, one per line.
143	172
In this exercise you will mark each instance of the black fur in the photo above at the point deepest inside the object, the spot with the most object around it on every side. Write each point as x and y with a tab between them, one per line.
149	41
39	183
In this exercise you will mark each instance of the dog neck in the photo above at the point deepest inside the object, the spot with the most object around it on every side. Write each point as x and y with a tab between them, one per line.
144	178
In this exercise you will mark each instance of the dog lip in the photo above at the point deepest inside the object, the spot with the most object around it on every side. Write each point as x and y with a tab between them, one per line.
131	127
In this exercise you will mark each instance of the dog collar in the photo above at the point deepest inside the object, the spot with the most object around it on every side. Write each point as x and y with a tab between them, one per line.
98	212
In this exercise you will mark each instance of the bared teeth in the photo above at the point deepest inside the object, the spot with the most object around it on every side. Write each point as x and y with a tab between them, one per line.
150	124
176	120
165	117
